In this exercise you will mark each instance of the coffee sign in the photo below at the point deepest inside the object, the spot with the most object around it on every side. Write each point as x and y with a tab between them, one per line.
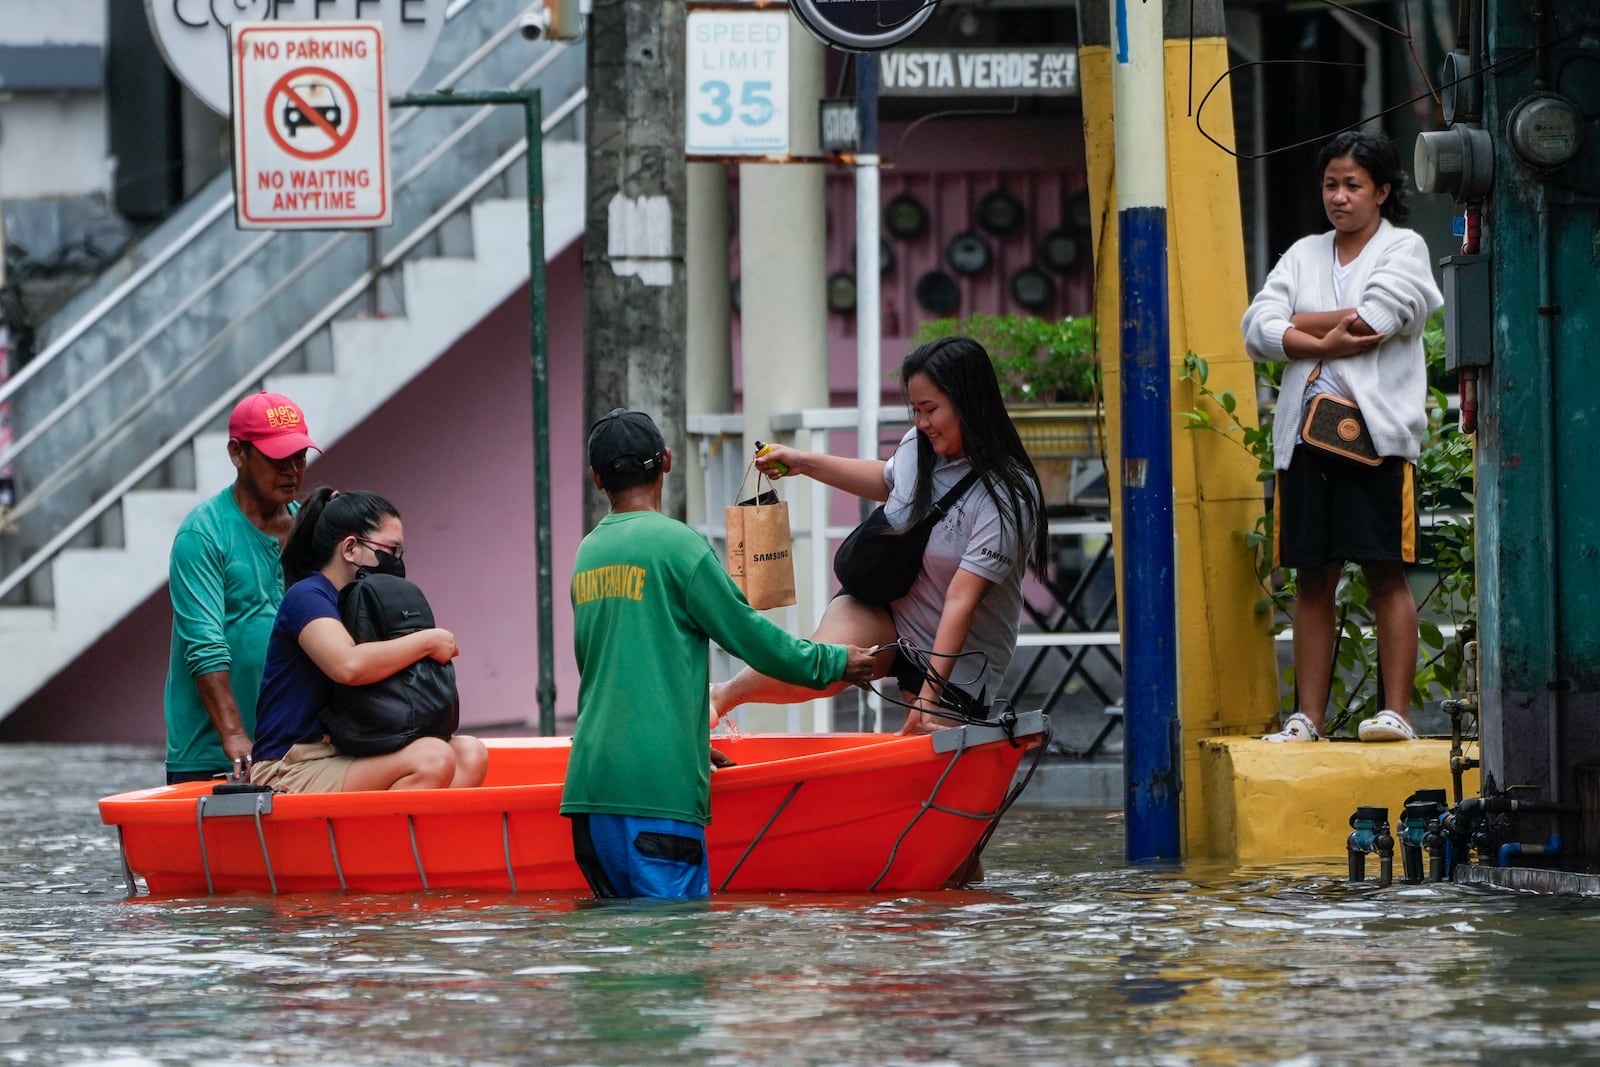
193	35
862	25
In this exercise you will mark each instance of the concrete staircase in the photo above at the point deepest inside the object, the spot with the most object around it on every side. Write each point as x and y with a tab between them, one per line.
94	588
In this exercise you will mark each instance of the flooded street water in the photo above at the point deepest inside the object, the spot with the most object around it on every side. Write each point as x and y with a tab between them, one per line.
1067	956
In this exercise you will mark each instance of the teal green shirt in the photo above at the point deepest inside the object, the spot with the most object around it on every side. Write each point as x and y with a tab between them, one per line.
648	597
226	582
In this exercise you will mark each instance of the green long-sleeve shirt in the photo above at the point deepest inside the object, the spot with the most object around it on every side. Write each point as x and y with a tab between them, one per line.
226	582
648	597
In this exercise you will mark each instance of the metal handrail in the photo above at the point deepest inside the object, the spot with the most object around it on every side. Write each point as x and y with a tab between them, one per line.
215	409
204	223
69	469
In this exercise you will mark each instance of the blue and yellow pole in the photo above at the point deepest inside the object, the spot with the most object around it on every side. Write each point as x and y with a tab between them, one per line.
1148	600
1225	655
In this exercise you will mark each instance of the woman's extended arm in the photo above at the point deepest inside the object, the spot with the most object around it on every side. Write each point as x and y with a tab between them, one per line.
337	655
961	601
861	477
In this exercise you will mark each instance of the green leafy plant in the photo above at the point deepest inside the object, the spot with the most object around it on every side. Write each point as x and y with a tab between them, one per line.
1037	360
1445	555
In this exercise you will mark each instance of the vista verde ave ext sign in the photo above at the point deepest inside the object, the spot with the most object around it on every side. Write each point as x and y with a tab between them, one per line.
979	72
310	125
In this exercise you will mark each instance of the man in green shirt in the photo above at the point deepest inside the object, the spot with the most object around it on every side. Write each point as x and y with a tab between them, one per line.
648	597
226	583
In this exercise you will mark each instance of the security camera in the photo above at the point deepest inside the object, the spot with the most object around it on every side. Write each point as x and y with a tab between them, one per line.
557	20
534	23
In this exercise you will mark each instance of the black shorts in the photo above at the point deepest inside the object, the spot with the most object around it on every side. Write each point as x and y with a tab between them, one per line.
1330	510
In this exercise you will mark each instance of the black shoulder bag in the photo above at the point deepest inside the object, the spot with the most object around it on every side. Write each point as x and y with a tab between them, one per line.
417	701
877	565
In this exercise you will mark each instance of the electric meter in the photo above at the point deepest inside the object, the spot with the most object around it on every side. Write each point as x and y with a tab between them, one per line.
1546	130
1458	161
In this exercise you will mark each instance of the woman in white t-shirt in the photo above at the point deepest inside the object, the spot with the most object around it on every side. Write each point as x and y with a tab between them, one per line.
1346	309
965	605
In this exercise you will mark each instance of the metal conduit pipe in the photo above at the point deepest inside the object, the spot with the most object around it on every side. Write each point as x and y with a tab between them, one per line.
1552	527
1546	382
1464	827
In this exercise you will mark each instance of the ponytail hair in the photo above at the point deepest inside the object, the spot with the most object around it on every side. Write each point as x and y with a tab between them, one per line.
324	520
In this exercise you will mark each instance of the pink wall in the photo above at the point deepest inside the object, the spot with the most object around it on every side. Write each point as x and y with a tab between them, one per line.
453	450
949	165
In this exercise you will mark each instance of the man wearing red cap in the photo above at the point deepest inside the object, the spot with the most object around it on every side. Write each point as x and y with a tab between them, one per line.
226	583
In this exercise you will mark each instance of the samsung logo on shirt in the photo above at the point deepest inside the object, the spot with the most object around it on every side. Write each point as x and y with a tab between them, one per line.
998	557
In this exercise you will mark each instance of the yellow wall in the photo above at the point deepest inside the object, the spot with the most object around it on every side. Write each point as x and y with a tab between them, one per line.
1227	673
1266	802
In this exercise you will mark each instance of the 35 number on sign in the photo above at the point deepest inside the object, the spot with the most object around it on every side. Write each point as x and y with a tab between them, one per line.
755	107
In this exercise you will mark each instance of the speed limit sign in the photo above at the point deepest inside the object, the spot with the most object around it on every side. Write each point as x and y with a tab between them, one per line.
738	83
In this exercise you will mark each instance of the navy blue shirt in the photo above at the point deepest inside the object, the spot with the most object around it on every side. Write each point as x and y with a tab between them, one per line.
293	688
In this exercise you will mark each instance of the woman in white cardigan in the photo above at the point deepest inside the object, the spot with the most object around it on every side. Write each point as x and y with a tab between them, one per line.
1345	309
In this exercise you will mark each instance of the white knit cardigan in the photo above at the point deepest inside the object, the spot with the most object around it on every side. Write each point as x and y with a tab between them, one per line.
1395	294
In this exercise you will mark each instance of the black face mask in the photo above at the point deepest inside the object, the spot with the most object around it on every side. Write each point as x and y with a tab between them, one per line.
387	564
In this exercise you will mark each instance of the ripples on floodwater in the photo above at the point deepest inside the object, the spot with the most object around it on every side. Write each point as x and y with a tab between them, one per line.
1068	956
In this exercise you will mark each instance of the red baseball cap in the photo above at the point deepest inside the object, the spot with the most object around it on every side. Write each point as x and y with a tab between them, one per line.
273	423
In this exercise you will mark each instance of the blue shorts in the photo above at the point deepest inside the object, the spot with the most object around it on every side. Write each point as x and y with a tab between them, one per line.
633	856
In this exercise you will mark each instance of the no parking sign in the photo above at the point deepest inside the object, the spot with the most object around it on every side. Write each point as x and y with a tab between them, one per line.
310	125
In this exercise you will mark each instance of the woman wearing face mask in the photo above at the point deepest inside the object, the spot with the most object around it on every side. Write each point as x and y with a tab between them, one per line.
335	535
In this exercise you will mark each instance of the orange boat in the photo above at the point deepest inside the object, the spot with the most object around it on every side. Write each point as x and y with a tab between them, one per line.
851	812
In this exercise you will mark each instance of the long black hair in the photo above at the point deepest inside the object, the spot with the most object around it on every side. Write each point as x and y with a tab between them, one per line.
961	369
323	521
1379	158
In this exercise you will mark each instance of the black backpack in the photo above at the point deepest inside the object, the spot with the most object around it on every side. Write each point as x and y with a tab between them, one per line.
418	701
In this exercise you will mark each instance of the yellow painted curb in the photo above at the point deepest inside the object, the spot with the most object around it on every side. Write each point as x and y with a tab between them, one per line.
1293	801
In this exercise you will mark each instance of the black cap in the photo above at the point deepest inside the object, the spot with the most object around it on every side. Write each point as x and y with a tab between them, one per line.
623	440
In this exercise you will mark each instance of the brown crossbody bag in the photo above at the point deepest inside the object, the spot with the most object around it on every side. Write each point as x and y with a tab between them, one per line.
1335	425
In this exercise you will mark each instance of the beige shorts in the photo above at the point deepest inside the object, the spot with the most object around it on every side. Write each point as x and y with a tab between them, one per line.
309	767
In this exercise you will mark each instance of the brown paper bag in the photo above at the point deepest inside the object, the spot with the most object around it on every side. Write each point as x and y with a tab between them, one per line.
760	550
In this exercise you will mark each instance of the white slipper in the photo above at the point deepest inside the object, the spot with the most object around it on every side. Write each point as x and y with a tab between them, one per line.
1386	726
1296	727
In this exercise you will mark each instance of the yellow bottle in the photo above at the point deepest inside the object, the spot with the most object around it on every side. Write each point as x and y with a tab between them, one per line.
778	469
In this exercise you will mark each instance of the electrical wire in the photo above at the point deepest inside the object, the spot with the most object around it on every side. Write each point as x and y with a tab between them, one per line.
955	703
1509	61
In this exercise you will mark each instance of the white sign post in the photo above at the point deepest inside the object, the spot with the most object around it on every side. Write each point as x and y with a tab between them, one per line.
738	83
310	125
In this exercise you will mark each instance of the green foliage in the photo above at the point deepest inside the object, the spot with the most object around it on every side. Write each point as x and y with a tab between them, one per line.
1037	360
1444	483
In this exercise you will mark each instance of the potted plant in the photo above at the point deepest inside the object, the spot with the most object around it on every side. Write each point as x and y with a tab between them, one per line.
1050	379
1039	361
